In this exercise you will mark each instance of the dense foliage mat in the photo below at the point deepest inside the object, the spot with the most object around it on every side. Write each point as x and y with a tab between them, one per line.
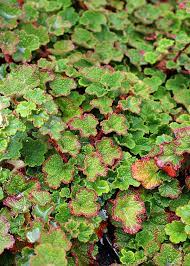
94	132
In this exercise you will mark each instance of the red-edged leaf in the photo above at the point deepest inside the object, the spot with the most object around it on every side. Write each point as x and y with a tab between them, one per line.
129	209
146	171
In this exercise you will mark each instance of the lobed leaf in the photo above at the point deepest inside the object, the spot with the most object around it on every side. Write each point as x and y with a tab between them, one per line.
48	254
176	232
168	157
6	240
69	143
86	124
93	167
84	203
115	123
129	210
109	152
146	171
57	172
168	254
20	80
183	212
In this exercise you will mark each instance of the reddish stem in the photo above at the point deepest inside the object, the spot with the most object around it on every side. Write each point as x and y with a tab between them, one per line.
57	148
96	138
180	52
8	58
20	2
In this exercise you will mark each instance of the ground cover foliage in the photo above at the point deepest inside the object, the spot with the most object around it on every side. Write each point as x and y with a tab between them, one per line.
94	132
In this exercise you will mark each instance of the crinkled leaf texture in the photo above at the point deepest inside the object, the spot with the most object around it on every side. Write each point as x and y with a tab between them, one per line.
85	124
47	254
57	172
6	240
146	171
176	232
115	123
85	203
94	128
184	213
168	255
20	80
129	210
93	167
109	152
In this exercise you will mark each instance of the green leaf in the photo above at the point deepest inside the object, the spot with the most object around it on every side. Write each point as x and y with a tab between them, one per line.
164	44
62	86
6	240
86	124
168	255
56	25
112	80
27	44
151	236
57	172
103	104
19	204
30	13
15	185
70	16
100	186
93	167
33	236
184	213
20	80
65	192
84	203
42	212
14	147
62	47
40	32
131	5
183	97
48	254
186	260
124	177
182	141
115	123
57	238
118	20
128	209
131	258
37	96
40	197
96	89
146	171
93	20
9	15
167	156
130	103
92	74
25	108
69	143
151	57
109	152
63	213
8	42
69	106
53	127
83	38
176	232
170	189
79	228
